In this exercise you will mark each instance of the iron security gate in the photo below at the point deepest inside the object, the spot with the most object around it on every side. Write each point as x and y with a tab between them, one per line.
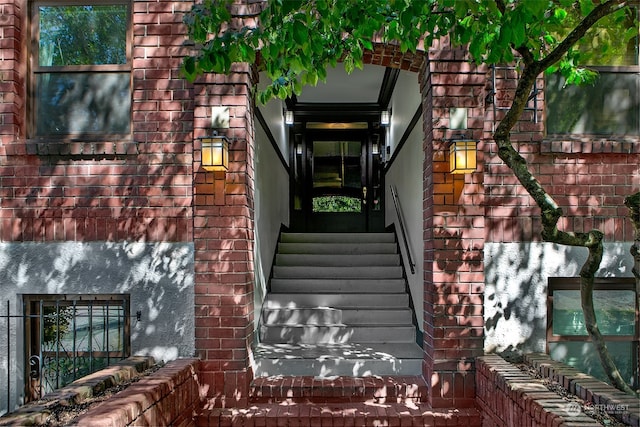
69	336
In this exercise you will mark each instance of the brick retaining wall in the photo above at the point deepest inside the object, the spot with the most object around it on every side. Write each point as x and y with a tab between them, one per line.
507	396
170	396
78	392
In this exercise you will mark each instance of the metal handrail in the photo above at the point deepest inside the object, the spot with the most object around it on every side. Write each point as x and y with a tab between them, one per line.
396	203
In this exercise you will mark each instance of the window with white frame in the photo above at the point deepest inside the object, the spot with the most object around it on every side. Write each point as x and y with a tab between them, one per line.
81	69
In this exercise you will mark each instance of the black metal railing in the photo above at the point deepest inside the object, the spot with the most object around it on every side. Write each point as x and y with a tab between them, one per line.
65	337
396	203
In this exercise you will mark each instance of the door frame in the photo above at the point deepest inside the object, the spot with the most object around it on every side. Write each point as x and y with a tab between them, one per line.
302	219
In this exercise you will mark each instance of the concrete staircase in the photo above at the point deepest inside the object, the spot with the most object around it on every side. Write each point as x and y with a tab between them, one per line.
338	306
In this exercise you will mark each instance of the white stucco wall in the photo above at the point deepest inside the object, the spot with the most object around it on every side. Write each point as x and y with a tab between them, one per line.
271	211
516	277
273	113
158	276
405	101
405	174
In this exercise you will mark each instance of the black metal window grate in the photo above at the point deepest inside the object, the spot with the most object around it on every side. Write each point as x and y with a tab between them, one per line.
70	336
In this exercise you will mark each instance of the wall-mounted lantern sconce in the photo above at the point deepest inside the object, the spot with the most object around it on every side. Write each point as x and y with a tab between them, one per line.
375	149
288	118
462	156
215	153
385	118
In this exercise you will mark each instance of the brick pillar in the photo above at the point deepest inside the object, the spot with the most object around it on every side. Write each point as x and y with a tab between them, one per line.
223	238
12	74
453	236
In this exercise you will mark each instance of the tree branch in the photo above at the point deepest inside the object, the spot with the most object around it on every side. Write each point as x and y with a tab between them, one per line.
633	203
580	30
551	212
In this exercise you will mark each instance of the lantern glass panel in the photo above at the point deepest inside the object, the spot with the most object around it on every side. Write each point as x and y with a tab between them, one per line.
215	154
462	157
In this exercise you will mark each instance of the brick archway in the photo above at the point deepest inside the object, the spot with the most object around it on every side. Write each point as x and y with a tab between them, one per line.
453	229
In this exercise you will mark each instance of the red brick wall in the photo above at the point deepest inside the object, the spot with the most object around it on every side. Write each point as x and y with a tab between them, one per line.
12	28
139	189
453	234
588	177
223	237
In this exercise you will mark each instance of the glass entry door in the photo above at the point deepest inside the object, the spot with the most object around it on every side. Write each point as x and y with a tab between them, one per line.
338	186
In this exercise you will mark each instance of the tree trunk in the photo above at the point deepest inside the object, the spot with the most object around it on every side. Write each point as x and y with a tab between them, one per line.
633	203
551	213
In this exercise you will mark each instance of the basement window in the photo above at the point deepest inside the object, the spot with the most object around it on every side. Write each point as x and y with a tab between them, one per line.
70	336
616	306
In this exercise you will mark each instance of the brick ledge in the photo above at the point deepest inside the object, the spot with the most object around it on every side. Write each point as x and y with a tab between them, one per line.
339	415
507	396
36	413
591	145
623	407
386	389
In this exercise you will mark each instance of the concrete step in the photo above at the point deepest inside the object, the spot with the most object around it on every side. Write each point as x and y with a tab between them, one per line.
378	286
301	316
336	334
361	272
332	316
337	237
337	248
338	285
337	305
328	360
386	316
309	300
329	260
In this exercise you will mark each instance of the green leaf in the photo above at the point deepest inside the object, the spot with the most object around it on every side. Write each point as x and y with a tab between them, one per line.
297	87
552	69
300	33
189	66
560	14
586	6
536	8
282	92
312	77
322	73
519	30
348	64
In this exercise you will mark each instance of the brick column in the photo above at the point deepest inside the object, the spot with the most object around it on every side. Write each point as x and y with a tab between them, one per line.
223	238
453	235
12	72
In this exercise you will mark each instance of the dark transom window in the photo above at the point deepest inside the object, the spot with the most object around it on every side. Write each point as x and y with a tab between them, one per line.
81	69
